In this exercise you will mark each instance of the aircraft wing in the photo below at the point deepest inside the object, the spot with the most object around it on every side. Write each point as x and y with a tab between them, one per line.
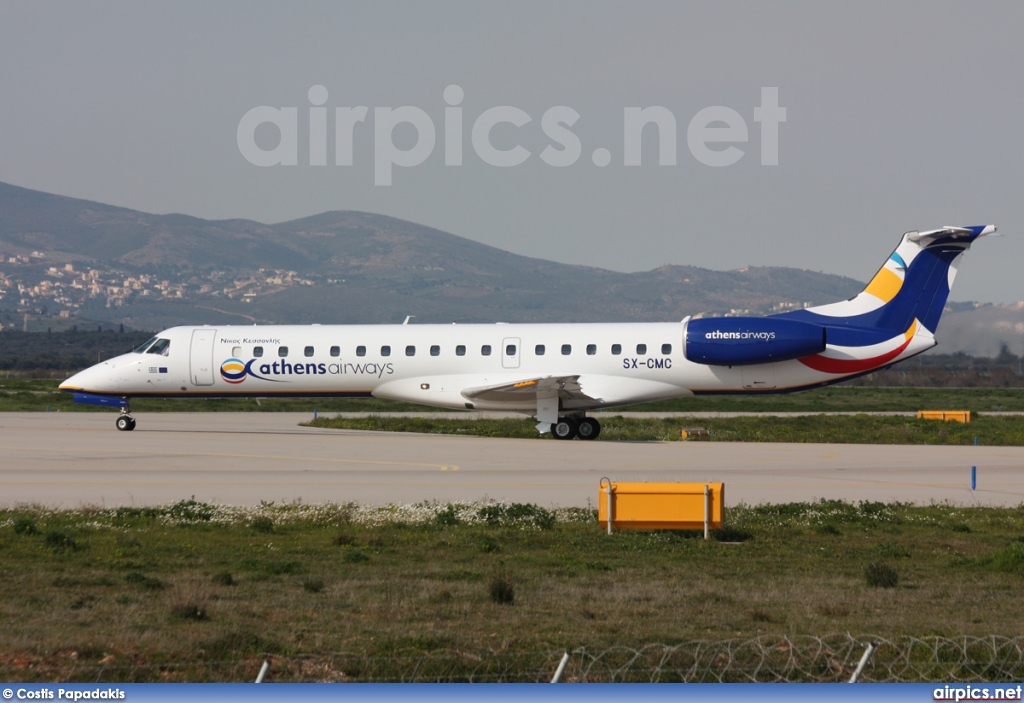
550	393
563	387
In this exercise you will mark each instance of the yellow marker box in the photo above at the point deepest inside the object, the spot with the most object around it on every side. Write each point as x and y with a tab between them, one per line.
947	415
662	506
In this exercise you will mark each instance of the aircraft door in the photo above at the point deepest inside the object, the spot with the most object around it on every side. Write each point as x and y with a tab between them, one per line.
758	376
201	356
510	348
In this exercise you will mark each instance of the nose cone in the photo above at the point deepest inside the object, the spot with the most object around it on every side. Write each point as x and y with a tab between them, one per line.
81	381
95	379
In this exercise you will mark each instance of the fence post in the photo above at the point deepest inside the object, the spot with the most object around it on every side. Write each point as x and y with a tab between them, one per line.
609	504
263	670
707	509
863	661
561	668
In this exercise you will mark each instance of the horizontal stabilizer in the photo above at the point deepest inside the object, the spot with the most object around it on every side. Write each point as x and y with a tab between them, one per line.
953	232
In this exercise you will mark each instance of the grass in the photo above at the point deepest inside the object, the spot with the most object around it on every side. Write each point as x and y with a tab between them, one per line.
990	430
31	395
163	593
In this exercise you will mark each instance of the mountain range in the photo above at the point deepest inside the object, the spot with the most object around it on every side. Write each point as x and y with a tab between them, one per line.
99	262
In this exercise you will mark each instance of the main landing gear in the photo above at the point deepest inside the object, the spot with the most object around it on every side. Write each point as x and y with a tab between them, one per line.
571	427
125	422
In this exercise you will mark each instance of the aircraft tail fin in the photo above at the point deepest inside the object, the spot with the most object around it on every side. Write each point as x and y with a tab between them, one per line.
912	285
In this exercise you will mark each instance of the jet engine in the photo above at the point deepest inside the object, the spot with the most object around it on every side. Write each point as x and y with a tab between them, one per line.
738	341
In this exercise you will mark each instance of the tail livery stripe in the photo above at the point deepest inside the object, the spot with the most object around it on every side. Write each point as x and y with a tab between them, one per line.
825	364
885	285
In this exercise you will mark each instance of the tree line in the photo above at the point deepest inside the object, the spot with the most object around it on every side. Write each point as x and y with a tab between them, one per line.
35	353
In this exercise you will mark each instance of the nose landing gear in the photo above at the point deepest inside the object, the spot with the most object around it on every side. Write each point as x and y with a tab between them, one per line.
125	422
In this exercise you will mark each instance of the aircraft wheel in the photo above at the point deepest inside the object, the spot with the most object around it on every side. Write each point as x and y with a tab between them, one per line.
565	428
588	428
125	423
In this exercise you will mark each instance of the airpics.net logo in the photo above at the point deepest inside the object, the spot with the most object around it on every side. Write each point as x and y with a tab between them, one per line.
712	134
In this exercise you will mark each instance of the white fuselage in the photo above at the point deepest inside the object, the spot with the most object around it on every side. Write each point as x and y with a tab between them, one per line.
617	364
554	372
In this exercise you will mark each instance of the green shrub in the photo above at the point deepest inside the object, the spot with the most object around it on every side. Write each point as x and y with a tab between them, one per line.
343	539
447	517
190	610
732	534
25	526
313	585
149	583
191	511
1009	560
224	579
878	574
355	557
892	551
262	524
59	542
489	545
501	590
517	514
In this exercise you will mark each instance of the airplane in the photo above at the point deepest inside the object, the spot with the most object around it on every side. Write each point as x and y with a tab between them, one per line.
552	372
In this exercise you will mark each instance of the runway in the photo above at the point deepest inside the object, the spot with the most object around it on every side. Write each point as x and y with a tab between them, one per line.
76	459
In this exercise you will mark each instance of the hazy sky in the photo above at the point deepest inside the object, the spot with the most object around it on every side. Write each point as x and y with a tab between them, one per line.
899	116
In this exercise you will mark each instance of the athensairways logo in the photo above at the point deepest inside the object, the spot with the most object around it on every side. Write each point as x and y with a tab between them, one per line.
719	334
235	370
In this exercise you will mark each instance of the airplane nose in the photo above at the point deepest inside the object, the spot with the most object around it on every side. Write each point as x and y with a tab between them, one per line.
95	378
74	383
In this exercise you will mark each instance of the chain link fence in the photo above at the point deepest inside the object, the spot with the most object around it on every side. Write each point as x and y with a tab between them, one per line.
772	658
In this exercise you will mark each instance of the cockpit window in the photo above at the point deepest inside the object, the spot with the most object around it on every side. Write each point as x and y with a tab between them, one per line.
162	346
142	347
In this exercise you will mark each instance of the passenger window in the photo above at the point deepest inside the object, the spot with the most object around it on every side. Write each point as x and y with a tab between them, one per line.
282	352
641	349
236	352
308	351
591	349
385	350
435	350
666	348
257	352
510	350
335	351
539	350
460	350
410	350
616	349
360	351
566	349
485	350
